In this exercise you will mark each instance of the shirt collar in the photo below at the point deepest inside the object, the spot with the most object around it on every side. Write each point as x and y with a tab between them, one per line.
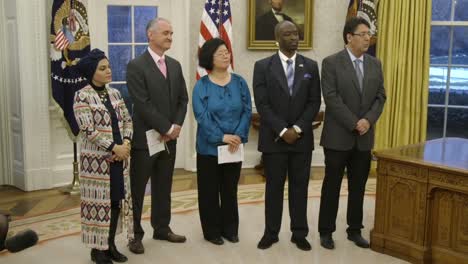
353	58
285	58
155	56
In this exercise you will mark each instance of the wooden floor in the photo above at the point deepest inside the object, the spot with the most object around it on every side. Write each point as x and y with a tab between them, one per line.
20	204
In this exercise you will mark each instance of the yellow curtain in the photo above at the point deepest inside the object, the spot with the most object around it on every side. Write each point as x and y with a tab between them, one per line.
403	47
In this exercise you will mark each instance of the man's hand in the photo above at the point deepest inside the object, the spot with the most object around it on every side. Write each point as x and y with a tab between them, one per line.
362	126
175	132
164	138
290	136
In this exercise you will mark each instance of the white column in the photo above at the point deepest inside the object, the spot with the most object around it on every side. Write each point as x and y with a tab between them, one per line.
34	85
179	15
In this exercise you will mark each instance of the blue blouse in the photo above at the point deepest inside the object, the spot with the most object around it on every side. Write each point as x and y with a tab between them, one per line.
220	110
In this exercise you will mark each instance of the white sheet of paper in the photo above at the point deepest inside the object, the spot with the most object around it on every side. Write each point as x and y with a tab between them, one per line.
154	144
224	156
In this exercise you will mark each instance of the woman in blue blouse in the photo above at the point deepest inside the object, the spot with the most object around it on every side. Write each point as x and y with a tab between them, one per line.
222	108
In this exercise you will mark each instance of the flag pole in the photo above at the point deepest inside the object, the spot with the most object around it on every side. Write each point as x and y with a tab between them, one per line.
74	187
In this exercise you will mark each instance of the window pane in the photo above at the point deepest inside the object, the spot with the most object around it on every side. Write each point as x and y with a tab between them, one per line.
441	10
139	49
458	92
435	122
437	84
125	95
461	10
460	45
119	24
439	44
143	14
119	56
457	123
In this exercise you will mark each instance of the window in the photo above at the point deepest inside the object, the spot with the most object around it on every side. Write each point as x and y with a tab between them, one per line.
126	39
448	73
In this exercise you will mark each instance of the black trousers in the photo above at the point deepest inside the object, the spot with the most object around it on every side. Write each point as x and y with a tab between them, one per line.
357	164
296	166
160	168
217	196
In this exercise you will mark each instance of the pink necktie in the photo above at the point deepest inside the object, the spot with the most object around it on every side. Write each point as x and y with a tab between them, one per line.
162	67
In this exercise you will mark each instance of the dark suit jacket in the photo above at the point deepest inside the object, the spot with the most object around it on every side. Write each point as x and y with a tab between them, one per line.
345	104
265	26
158	103
279	110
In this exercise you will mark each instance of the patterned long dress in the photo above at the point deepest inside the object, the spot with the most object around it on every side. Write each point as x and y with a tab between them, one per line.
94	121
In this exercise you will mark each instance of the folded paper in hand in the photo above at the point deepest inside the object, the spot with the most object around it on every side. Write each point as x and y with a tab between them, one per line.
154	144
224	156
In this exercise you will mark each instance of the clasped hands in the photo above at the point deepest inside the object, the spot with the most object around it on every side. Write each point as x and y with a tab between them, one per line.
120	152
233	141
171	136
362	126
290	136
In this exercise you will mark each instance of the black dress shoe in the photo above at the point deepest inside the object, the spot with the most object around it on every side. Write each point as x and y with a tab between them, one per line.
115	255
358	240
100	256
136	247
171	237
232	239
301	243
327	242
266	242
217	241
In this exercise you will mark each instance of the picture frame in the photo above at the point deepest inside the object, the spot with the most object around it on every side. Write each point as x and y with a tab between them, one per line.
262	20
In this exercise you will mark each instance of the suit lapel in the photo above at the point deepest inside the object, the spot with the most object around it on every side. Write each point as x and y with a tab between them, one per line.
366	71
170	74
349	68
152	64
278	70
298	73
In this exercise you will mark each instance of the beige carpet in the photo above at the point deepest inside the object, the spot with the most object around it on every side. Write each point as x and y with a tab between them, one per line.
60	242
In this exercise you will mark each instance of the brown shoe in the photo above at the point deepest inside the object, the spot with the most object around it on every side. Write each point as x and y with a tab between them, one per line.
171	237
136	247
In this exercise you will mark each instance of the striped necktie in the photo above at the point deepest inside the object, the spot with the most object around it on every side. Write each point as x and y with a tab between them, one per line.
360	77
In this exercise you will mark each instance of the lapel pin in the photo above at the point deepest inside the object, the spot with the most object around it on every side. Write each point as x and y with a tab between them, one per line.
301	65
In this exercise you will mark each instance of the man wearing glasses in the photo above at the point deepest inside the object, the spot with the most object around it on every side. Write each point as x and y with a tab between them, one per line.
353	91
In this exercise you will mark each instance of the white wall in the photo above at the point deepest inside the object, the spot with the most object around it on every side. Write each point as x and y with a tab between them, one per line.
44	144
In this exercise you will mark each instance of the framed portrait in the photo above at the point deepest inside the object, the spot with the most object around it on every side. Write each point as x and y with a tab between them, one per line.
265	14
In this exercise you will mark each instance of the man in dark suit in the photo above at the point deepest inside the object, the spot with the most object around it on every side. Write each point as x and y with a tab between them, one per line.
157	88
353	90
287	95
265	24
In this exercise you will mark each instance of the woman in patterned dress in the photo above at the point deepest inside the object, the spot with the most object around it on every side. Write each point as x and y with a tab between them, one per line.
106	130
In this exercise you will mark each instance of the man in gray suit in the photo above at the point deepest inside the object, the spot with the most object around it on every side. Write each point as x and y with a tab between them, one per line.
353	90
157	88
286	86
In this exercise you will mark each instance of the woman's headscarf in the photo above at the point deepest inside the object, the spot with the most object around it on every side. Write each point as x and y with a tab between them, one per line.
88	64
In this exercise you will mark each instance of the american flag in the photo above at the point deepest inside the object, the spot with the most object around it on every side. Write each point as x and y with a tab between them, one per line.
61	41
216	22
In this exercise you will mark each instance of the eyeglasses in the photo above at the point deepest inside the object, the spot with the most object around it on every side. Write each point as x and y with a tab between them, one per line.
222	54
363	34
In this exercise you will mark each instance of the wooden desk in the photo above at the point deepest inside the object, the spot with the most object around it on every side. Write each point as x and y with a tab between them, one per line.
421	208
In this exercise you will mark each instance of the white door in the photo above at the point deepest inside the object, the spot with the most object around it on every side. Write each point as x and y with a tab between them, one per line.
11	150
